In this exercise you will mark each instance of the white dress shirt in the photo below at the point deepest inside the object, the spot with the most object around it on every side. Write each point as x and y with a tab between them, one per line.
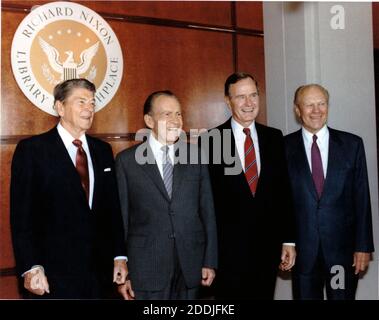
322	143
67	139
240	138
158	153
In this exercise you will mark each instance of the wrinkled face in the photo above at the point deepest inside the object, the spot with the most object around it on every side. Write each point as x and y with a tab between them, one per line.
77	111
243	101
165	119
312	109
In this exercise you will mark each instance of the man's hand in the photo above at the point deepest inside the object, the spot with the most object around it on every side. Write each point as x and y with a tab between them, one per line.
361	261
207	275
120	271
35	281
126	290
288	258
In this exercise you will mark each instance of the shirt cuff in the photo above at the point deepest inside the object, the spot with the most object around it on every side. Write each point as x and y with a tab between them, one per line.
121	258
292	244
37	266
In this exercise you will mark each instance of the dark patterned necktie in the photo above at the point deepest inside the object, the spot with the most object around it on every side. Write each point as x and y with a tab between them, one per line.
317	170
82	166
251	168
167	170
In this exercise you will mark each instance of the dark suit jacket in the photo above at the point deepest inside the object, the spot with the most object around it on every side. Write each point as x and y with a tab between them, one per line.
52	223
341	220
152	221
251	229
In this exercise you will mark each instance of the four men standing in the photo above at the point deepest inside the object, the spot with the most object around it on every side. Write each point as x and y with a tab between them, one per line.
66	222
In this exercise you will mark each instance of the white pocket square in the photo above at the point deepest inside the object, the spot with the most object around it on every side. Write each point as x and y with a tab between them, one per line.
107	169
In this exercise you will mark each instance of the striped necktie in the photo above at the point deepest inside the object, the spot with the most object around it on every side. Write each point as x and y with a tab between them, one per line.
251	168
167	170
81	164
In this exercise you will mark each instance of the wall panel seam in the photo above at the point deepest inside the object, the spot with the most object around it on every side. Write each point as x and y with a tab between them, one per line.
161	22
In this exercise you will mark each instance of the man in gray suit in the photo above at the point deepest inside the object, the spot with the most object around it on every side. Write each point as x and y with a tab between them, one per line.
168	212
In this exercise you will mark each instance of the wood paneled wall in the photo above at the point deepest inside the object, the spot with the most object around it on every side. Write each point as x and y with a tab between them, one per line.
187	47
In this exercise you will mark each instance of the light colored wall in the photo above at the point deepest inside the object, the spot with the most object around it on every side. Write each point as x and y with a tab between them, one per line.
302	47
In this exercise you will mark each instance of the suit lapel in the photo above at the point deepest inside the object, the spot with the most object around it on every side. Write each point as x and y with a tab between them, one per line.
95	165
179	168
239	178
151	169
302	165
262	152
64	164
335	160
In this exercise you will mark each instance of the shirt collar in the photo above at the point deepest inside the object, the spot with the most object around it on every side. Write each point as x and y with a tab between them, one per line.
67	138
238	129
156	145
321	134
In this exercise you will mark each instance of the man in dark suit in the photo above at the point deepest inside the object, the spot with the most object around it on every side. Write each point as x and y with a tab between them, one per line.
252	200
65	216
331	199
167	206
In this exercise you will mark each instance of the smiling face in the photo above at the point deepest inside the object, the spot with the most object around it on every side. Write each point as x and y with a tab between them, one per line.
312	109
77	111
165	119
243	101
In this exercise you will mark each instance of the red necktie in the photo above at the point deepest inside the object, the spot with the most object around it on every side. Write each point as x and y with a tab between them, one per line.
317	170
251	168
82	166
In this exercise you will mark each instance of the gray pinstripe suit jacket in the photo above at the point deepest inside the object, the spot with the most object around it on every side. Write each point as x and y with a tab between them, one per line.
153	222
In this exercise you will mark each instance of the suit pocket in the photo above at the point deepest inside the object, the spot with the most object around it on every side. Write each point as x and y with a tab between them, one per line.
137	241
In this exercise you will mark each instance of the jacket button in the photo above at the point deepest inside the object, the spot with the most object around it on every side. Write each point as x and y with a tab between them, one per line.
171	236
172	213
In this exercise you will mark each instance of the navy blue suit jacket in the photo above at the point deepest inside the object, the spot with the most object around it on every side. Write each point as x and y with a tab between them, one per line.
341	220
